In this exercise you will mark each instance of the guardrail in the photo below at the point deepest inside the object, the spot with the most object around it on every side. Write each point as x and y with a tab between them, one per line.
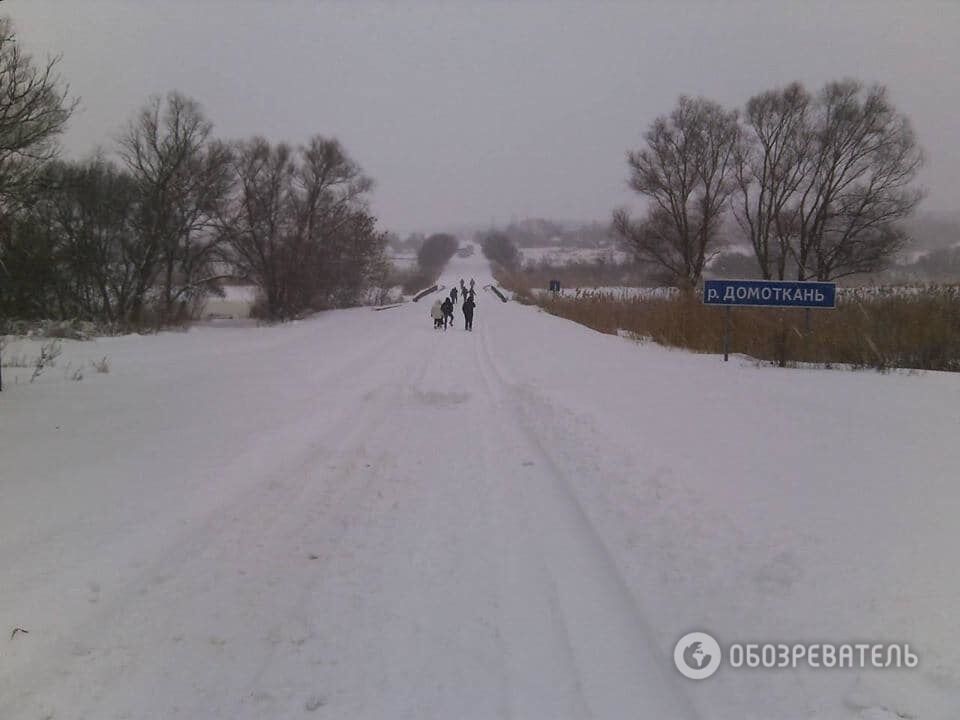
424	293
496	291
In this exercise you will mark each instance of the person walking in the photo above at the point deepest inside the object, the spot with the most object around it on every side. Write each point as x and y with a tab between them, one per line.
436	312
468	308
447	308
453	296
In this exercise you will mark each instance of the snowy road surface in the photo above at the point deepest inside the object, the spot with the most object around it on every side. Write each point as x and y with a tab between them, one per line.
358	517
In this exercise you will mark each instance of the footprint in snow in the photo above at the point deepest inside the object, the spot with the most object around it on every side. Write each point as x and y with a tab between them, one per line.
441	399
779	573
314	702
862	700
262	697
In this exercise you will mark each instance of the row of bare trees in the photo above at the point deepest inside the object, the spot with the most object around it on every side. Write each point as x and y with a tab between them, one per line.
299	224
145	237
816	183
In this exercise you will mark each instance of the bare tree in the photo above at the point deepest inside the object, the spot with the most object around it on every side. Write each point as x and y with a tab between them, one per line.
299	225
685	171
72	245
353	260
94	207
501	251
860	183
258	222
31	286
436	251
34	109
823	181
772	162
332	215
183	176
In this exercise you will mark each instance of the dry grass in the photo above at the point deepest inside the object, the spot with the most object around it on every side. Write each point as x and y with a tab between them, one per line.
918	330
49	352
516	282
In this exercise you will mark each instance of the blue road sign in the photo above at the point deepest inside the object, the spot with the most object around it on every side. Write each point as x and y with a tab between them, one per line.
770	293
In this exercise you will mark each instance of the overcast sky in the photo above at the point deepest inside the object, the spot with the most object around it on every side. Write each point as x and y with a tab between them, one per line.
467	113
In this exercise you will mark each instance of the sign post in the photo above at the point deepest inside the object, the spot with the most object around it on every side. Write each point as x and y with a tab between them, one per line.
767	293
726	333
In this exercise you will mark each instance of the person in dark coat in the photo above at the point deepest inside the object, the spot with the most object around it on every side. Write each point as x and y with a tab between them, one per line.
447	308
453	296
468	306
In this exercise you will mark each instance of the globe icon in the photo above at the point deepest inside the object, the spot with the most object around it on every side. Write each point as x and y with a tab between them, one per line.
695	656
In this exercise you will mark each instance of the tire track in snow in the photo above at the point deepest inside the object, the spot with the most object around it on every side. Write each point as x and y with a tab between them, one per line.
620	670
541	673
422	617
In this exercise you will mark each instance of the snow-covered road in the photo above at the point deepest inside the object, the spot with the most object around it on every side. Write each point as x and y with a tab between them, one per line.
357	516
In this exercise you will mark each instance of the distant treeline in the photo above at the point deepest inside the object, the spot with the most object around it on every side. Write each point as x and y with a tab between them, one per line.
941	265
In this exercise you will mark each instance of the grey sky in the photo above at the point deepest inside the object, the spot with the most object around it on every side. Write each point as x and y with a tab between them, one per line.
485	111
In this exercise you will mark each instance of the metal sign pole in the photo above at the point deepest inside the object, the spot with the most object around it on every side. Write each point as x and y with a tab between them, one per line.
726	333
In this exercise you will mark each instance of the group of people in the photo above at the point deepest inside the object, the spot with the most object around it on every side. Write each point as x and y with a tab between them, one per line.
442	311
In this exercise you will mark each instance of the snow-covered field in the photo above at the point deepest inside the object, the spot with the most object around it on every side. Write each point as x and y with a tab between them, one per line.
615	292
235	303
403	262
566	256
239	299
866	292
356	516
872	292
